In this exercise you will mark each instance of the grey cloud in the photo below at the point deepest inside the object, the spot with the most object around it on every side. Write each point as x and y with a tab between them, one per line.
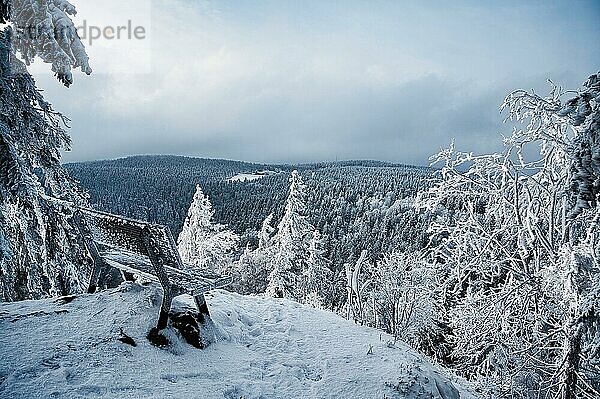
290	89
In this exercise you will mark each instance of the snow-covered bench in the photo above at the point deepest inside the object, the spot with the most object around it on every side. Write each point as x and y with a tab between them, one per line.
147	250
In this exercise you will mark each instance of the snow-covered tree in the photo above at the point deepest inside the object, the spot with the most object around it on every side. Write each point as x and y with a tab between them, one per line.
582	113
250	272
404	298
266	232
290	244
198	227
317	275
520	249
202	242
41	253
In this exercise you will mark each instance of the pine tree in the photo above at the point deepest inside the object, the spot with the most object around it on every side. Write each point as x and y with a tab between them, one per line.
290	244
202	242
40	252
197	229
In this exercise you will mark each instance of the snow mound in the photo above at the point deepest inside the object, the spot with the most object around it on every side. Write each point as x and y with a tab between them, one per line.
73	347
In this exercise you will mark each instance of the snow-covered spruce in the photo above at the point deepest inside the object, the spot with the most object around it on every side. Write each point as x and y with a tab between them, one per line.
289	261
202	242
40	252
266	348
289	252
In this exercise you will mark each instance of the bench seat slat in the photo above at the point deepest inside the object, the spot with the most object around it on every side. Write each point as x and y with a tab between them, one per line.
198	283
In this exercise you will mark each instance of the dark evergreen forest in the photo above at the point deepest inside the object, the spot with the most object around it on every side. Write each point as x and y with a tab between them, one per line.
356	205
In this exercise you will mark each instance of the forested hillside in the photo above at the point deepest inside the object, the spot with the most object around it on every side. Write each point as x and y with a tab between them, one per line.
356	205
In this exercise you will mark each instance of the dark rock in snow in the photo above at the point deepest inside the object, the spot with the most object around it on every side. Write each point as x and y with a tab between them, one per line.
127	339
157	339
188	324
66	299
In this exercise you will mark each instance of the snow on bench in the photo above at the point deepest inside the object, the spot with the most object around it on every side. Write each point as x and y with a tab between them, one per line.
145	249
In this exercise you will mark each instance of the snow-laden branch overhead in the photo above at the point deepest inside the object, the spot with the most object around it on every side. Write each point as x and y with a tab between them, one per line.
44	29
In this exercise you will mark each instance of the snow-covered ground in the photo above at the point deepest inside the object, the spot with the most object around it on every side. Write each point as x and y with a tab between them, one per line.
266	348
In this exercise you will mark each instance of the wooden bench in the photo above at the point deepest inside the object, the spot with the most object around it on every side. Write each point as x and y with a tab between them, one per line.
147	250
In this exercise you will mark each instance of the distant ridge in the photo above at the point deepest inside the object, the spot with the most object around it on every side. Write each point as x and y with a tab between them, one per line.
135	160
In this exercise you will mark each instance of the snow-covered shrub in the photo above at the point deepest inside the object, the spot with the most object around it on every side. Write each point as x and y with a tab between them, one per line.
404	298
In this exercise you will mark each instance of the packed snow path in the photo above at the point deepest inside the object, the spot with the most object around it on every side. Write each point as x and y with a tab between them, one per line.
266	348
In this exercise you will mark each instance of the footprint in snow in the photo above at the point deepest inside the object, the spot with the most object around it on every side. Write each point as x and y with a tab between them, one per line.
174	378
256	332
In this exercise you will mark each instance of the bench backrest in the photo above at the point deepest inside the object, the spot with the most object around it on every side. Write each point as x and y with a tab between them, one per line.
145	239
116	231
153	242
138	247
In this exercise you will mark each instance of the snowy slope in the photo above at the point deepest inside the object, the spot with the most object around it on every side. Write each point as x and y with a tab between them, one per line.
242	177
245	177
266	348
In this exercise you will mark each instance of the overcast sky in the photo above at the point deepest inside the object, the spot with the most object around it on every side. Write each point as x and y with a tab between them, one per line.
294	81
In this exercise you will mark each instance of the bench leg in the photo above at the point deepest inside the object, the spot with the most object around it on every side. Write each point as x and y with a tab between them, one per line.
202	307
158	262
163	319
165	307
97	265
207	327
154	335
97	262
94	279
